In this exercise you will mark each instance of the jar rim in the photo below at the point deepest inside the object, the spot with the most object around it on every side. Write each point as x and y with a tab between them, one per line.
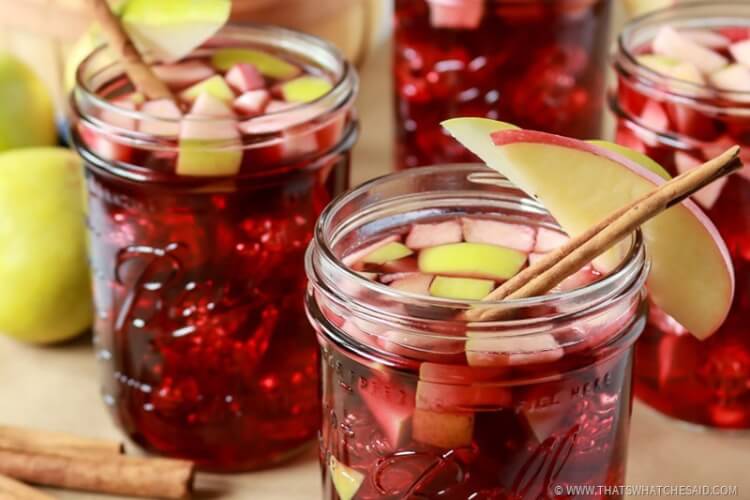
701	95
630	274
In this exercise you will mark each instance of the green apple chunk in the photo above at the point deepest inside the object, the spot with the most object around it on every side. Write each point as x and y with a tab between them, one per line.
305	89
581	183
168	30
45	293
387	253
268	64
478	260
461	288
26	113
209	147
215	86
345	479
444	430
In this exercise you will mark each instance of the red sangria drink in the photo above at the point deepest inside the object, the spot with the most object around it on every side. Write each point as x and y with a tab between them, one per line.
200	210
683	96
537	63
420	403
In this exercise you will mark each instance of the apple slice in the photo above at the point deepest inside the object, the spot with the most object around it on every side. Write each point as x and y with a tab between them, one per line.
476	260
549	239
430	235
105	145
119	119
252	103
461	398
708	195
443	430
215	86
456	14
707	38
416	283
387	253
183	74
244	77
483	349
580	278
597	182
268	64
733	78
209	147
741	52
461	288
357	256
169	30
654	117
494	232
657	62
165	122
305	89
670	43
346	480
394	418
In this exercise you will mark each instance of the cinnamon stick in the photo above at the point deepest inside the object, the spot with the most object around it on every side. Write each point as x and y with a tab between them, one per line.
571	257
10	489
20	439
112	474
139	72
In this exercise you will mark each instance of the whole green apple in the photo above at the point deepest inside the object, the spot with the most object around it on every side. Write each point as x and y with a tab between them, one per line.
27	116
45	291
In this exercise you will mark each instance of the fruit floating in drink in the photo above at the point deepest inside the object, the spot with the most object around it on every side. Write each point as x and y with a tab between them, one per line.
422	401
536	63
683	95
200	210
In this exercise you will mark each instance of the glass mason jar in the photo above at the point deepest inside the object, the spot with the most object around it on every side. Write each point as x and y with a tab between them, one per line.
406	411
539	64
199	281
680	125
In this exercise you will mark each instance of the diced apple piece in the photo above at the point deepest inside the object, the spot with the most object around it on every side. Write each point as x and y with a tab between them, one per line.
483	349
330	132
165	122
394	418
253	102
121	119
209	147
476	260
460	398
169	30
104	145
733	78
183	74
430	235
707	38
670	43
296	144
657	62
244	77
741	52
305	89
387	253
654	117
357	256
708	195
584	276
461	288
443	430
640	7
215	86
504	234
346	480
548	240
597	182
417	283
453	14
460	374
268	64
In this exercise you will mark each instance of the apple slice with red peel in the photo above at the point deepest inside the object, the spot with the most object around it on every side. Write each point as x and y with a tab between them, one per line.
417	283
358	255
209	147
456	14
654	117
169	30
707	196
494	232
483	349
741	52
268	64
443	430
597	182
461	288
475	260
161	118
183	74
305	89
252	103
104	145
429	235
733	78
669	42
388	252
215	86
461	398
548	240
637	156
393	417
707	38
346	480
244	77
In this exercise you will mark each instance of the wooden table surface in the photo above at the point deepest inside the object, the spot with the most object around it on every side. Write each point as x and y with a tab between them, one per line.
57	387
